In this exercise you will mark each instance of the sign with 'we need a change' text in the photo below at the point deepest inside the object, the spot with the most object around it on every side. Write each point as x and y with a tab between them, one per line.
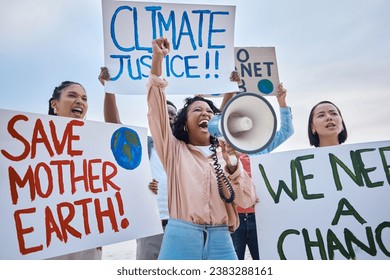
324	203
201	38
68	185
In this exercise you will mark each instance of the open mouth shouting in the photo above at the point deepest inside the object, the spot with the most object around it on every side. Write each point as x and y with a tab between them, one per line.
204	125
77	111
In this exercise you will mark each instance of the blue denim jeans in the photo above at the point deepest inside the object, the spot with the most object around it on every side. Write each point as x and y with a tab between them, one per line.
246	234
187	241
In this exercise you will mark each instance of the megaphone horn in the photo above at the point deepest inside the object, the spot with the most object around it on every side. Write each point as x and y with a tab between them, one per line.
247	122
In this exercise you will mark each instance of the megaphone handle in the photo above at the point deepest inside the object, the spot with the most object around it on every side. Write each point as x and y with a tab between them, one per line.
233	160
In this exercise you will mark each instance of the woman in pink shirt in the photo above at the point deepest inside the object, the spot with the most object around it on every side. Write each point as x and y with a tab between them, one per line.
202	211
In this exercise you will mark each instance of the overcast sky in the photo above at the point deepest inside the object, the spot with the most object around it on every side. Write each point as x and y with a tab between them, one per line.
337	50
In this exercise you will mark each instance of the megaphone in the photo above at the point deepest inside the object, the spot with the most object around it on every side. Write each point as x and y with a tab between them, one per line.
247	122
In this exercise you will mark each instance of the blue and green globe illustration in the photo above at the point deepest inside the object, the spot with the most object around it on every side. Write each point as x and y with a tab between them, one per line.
265	86
126	148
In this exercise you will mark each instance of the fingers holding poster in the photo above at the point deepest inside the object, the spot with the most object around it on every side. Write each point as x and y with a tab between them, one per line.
324	203
201	38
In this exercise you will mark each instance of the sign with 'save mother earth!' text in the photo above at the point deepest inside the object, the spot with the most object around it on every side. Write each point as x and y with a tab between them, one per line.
201	42
68	185
324	203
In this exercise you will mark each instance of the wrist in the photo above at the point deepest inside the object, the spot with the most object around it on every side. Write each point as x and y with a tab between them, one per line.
158	56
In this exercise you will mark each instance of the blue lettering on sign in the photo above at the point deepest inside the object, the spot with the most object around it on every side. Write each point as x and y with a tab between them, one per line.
200	30
188	66
180	28
121	57
139	62
112	29
139	68
135	29
172	68
212	30
153	9
185	25
216	60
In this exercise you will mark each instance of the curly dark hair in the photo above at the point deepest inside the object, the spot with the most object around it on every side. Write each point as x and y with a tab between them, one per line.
57	93
313	138
181	119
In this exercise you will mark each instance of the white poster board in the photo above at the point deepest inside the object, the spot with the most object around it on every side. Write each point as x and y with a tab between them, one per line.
69	185
258	70
324	203
201	39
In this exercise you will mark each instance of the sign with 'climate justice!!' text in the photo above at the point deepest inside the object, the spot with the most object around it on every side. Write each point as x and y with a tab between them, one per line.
324	203
201	38
68	185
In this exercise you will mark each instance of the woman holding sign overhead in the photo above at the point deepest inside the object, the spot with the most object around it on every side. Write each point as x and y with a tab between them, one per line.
69	99
202	209
326	126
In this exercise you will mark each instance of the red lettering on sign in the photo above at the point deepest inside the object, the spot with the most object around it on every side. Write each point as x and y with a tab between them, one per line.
84	204
66	220
51	226
20	232
16	135
39	136
15	180
106	177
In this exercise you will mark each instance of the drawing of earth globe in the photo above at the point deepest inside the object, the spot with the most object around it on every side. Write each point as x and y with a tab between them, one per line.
126	148
265	86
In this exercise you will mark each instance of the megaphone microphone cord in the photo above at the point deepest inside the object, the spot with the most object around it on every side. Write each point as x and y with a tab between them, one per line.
221	177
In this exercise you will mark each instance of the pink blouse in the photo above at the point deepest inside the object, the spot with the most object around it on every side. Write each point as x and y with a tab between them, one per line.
192	185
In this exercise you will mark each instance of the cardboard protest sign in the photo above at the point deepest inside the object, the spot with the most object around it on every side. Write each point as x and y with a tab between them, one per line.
258	70
69	185
201	40
324	203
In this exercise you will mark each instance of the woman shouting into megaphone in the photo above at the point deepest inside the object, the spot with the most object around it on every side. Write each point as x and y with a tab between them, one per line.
202	198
